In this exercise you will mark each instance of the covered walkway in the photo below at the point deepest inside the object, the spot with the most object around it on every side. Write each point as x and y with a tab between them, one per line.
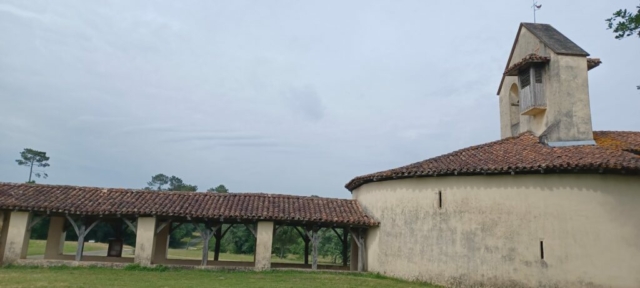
153	215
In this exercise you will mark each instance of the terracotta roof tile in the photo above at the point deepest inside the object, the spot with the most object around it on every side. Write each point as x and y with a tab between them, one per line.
593	63
525	63
619	140
242	206
614	153
528	60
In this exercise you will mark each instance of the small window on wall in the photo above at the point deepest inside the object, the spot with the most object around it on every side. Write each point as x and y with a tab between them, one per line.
439	199
525	78
538	74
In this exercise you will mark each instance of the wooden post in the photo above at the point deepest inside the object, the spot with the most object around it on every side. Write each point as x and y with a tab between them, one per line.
206	234
219	234
315	238
306	240
81	234
359	239
81	231
216	249
361	251
306	250
314	241
345	247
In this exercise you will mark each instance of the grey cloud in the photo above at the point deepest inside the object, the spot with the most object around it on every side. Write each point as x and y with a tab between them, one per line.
306	102
214	91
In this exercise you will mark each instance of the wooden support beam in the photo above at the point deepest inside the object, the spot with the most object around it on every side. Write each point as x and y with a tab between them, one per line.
131	225
300	232
216	249
252	229
92	225
206	235
337	234
306	240
358	237
162	225
73	223
315	238
344	240
173	228
345	247
226	230
35	221
81	231
219	234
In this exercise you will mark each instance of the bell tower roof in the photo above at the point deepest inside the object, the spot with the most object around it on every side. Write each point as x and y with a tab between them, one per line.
555	40
544	88
551	38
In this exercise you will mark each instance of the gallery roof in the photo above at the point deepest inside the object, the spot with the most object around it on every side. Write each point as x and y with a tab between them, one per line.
616	152
213	206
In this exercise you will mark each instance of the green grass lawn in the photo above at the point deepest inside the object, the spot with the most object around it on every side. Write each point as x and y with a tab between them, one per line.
133	276
37	247
197	254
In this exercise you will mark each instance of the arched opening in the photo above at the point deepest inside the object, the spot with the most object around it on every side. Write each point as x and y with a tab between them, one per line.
514	109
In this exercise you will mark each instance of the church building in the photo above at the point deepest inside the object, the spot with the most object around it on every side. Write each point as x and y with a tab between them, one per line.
552	204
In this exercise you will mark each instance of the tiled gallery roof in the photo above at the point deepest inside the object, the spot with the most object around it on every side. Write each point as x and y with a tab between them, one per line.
615	152
525	63
230	206
528	60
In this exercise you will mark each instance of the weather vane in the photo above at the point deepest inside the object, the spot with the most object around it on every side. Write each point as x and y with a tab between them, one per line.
535	8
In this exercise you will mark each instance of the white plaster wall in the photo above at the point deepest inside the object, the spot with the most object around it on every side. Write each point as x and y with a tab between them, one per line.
505	107
489	229
567	92
145	240
17	239
55	238
264	240
162	244
4	228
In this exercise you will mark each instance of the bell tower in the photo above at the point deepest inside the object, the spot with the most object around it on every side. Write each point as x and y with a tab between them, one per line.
545	89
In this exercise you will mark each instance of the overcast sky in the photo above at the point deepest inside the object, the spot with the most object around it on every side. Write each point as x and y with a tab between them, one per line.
292	97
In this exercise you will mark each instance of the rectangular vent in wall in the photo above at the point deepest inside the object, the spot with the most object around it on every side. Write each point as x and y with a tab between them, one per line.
538	74
525	78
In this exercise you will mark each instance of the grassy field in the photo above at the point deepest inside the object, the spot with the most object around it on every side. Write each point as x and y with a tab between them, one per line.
133	276
37	247
197	254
